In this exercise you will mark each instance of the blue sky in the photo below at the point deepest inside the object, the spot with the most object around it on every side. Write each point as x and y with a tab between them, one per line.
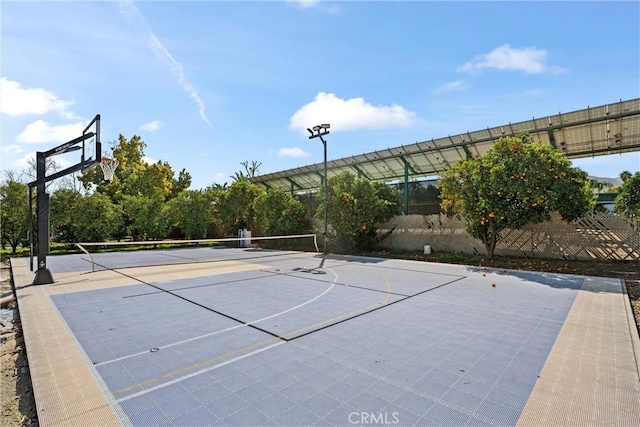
210	84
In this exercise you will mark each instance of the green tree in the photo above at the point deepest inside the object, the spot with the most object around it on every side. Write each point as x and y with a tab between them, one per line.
134	177
14	210
628	199
96	219
278	213
66	204
235	206
191	213
355	206
146	218
517	182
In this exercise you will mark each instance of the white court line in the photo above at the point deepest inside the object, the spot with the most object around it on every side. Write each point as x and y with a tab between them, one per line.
333	283
193	374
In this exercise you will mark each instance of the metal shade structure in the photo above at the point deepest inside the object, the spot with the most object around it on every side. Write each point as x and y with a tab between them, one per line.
608	129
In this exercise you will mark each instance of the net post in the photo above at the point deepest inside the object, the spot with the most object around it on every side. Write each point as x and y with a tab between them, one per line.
93	264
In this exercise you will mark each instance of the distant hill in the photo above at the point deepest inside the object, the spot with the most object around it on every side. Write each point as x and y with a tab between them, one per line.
610	181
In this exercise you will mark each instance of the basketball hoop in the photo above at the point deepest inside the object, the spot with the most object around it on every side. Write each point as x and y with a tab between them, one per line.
108	168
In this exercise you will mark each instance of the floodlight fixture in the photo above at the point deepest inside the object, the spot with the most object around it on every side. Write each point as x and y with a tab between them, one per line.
310	131
325	126
317	128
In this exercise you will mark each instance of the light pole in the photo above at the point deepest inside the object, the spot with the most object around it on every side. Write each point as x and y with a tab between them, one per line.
318	132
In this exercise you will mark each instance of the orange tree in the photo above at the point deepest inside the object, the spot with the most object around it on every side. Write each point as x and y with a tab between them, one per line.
517	182
355	206
278	213
234	208
628	200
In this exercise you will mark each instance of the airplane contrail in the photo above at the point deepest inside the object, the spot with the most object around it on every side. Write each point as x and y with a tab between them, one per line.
130	12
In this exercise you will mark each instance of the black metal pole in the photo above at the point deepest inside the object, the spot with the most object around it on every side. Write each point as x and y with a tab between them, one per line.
43	274
30	218
326	194
318	132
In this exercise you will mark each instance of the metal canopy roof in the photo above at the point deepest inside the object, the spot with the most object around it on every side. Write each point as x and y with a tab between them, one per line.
608	129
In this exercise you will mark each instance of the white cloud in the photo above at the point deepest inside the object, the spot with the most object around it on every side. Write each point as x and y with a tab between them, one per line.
350	114
305	3
16	100
149	160
534	92
152	126
130	12
458	85
11	149
318	4
528	59
220	177
25	162
292	152
42	132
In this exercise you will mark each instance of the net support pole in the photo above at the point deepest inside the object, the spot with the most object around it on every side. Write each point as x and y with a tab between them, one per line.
93	263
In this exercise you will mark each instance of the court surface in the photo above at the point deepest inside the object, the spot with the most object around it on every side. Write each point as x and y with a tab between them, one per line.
271	338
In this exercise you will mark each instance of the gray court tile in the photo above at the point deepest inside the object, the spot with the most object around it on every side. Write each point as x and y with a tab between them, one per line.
444	415
402	377
298	392
165	394
432	388
367	402
273	405
138	404
279	381
509	399
255	392
414	403
342	416
319	380
180	405
320	404
359	380
462	399
498	413
476	388
380	369
296	416
150	417
449	377
341	391
237	382
198	417
386	391
227	405
248	416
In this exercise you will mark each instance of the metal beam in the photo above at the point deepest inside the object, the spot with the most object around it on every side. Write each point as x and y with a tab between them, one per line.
467	152
360	172
406	187
552	138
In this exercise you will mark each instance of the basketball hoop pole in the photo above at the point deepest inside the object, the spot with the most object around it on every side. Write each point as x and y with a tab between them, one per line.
43	275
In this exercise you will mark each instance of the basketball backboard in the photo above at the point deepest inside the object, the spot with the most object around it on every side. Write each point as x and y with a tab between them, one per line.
91	147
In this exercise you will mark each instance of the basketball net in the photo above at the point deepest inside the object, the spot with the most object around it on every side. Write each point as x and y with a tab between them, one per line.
108	168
